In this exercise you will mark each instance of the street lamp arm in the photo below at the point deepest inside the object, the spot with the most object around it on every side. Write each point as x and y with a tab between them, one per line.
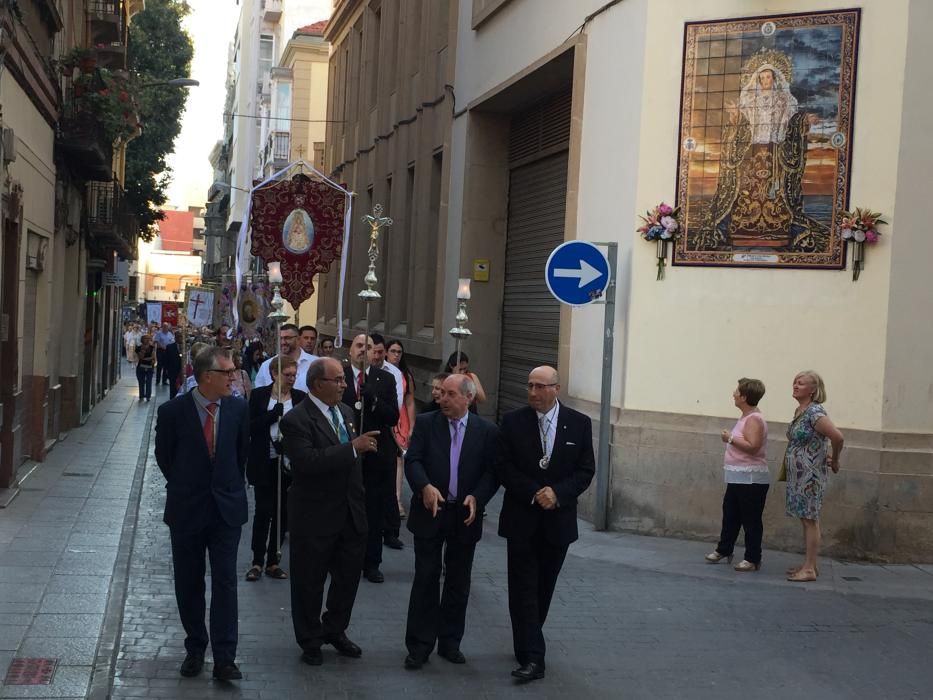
174	82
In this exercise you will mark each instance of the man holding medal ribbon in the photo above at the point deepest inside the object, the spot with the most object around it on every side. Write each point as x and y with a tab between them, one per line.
545	461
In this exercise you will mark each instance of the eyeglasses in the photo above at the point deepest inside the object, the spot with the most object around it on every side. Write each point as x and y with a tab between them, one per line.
336	380
288	337
228	372
395	351
289	375
534	386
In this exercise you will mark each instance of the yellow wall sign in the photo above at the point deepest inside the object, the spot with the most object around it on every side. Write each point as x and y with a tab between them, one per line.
481	270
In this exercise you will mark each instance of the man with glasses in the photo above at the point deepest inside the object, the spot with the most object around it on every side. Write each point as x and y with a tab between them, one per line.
545	462
289	347
326	510
201	444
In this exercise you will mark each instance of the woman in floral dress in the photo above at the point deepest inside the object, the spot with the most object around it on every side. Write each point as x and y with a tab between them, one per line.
806	461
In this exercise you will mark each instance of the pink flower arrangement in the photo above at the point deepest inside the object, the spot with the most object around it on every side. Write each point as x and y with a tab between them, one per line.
660	223
861	226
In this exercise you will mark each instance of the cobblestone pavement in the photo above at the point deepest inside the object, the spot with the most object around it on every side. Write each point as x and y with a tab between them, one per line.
632	618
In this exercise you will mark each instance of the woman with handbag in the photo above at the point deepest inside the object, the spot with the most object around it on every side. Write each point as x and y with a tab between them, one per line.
267	405
805	463
145	366
747	479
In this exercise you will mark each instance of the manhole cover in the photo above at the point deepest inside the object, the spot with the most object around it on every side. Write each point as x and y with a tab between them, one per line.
851	578
30	672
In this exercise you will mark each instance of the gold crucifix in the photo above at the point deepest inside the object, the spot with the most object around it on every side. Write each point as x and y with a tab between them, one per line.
376	223
301	151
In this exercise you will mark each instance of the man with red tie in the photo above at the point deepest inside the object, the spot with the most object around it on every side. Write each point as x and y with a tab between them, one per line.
372	396
202	440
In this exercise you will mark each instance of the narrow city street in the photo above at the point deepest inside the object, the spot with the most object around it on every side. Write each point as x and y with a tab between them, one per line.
86	580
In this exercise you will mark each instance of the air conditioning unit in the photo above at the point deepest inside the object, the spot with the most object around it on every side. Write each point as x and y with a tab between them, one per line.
8	145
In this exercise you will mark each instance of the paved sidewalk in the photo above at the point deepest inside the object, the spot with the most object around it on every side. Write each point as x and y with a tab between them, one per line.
633	617
59	543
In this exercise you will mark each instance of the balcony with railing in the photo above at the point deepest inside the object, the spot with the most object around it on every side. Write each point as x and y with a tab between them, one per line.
281	147
107	31
108	220
86	146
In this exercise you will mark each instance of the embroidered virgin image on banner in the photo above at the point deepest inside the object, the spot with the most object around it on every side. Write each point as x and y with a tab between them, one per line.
765	140
298	222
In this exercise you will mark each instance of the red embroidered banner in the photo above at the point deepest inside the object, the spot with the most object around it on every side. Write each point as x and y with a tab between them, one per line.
299	223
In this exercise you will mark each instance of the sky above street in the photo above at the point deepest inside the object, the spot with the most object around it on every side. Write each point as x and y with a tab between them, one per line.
211	25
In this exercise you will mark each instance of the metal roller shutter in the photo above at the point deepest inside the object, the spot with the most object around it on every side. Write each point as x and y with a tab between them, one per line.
537	205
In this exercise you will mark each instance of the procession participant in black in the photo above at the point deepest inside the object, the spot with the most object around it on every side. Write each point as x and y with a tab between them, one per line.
449	465
267	405
326	510
201	446
545	461
372	397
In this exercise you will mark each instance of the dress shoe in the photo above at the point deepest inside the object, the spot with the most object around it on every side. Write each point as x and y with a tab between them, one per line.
312	657
531	671
343	645
192	665
373	575
454	656
414	663
393	542
227	672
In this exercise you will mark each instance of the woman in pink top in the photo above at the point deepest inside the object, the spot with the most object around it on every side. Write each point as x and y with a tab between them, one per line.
747	479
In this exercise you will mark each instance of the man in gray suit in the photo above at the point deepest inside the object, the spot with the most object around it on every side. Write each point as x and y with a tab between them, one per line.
326	511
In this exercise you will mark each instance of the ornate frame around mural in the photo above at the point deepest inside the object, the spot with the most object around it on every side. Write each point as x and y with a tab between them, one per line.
711	236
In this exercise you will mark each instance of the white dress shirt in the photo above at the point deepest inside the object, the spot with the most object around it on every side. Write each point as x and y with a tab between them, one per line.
397	373
264	375
325	409
549	421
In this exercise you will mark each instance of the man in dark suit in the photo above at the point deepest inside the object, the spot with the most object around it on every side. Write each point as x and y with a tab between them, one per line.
202	439
449	465
326	511
372	397
545	462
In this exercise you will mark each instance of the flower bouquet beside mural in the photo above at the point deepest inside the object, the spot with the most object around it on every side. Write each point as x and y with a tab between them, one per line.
661	225
858	228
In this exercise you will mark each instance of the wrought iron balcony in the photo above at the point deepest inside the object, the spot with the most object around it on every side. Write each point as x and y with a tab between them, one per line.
107	218
87	148
106	23
281	146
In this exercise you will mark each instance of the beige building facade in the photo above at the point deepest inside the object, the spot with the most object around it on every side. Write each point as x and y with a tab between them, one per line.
388	138
64	226
565	126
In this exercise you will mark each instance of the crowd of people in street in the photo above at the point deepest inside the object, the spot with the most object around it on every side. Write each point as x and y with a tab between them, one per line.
325	444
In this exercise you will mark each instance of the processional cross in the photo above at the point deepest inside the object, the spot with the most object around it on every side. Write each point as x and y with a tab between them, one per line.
376	223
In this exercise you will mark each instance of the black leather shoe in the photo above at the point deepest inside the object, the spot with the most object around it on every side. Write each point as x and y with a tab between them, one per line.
454	656
393	542
312	657
373	575
531	671
227	672
343	645
192	665
414	663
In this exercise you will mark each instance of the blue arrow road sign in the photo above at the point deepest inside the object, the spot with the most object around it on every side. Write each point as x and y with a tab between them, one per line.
577	273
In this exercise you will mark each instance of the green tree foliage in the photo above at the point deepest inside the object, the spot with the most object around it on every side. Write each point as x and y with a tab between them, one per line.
159	50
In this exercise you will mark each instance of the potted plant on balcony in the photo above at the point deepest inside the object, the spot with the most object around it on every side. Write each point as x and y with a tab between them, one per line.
84	59
109	100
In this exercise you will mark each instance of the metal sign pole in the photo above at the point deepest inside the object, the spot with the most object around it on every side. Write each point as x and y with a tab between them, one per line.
603	461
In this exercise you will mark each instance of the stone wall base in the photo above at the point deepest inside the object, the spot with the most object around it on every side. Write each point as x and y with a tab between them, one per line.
667	480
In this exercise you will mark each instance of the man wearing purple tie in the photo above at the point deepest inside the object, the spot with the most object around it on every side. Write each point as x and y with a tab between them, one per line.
449	465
